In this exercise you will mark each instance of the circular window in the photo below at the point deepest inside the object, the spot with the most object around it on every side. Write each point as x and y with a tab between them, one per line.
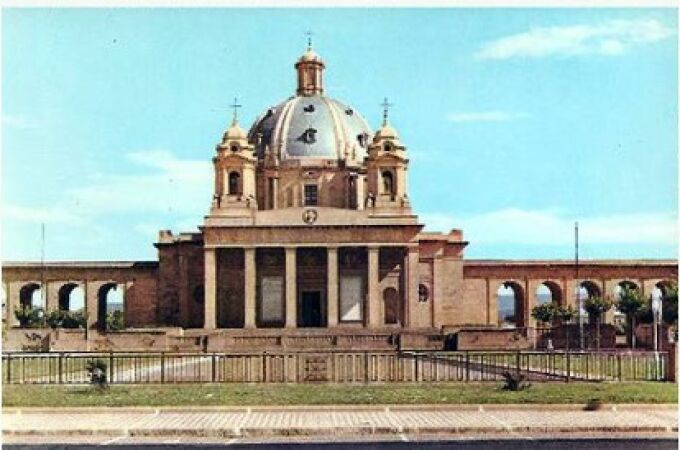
423	293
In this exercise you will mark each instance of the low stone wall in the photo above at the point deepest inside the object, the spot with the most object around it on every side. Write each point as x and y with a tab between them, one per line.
644	335
491	339
27	339
558	337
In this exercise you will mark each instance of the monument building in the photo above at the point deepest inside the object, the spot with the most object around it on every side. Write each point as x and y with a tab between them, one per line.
311	240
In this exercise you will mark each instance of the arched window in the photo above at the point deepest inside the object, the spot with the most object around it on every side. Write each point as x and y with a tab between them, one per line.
388	182
234	183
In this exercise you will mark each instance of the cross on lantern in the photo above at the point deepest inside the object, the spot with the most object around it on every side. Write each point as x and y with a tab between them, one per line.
386	106
309	39
235	107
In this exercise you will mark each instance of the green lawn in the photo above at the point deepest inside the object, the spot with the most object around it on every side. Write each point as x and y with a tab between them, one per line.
320	394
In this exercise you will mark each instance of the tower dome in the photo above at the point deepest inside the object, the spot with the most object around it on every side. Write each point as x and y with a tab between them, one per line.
310	126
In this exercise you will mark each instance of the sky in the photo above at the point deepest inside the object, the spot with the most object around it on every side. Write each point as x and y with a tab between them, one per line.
518	122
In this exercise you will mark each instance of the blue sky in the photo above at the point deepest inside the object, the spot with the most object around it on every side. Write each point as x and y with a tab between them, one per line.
518	121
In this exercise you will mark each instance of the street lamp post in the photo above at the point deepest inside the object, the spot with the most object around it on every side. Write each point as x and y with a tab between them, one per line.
656	314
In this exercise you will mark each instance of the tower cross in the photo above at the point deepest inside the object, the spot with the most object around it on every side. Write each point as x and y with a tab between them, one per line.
235	107
386	109
309	39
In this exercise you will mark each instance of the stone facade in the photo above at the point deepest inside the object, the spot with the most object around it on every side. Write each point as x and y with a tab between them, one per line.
311	241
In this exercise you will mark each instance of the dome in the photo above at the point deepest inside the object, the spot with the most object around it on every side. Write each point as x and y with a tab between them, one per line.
310	55
386	132
311	127
234	132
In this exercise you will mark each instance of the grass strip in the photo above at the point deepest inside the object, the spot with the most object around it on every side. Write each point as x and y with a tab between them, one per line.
334	394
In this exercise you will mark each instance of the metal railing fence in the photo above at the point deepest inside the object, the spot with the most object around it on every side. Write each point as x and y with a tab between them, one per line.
333	366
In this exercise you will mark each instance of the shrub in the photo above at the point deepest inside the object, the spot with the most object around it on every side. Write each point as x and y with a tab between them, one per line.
96	370
114	321
66	319
513	381
30	317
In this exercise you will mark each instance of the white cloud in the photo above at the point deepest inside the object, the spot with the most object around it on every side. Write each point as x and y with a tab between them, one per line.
552	227
172	185
485	116
612	37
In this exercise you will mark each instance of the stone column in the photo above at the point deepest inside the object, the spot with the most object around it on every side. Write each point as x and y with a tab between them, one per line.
332	283
412	282
359	187
250	288
210	289
275	192
373	286
291	287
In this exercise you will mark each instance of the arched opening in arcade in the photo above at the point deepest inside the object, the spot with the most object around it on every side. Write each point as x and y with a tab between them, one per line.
510	304
109	300
548	292
587	289
31	296
619	289
71	297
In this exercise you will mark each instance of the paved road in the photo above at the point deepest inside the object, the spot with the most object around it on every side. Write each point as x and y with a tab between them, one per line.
441	443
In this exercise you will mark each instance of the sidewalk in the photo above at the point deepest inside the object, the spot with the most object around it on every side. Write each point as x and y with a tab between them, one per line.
337	420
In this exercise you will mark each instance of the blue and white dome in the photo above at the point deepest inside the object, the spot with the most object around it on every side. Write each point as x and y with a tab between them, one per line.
311	126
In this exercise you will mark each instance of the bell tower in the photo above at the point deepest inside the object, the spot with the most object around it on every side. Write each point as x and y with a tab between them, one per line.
386	167
234	165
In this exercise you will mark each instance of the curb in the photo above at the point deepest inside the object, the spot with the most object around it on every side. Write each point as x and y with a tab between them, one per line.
340	408
326	431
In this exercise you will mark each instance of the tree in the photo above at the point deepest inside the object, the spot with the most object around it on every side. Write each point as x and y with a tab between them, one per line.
596	307
544	313
669	312
565	314
630	302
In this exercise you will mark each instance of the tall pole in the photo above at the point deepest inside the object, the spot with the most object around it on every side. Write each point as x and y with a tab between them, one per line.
579	300
43	291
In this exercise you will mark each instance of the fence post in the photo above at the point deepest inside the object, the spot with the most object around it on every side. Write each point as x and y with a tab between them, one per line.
618	366
213	368
518	361
61	368
416	367
366	377
162	367
9	369
467	365
110	367
264	367
568	367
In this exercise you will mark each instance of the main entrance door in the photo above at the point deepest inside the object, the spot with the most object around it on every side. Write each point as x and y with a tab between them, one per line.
311	309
